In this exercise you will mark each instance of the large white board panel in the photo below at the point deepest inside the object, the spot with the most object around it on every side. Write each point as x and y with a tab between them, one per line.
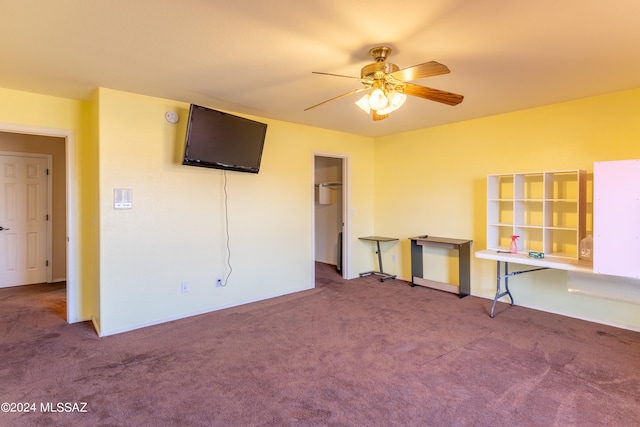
616	218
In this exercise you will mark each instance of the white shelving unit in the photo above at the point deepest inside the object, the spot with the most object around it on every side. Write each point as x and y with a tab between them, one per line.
546	209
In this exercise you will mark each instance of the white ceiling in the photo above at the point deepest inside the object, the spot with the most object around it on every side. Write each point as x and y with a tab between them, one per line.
256	56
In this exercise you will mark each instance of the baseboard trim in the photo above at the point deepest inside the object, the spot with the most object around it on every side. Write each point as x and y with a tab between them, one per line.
187	315
565	314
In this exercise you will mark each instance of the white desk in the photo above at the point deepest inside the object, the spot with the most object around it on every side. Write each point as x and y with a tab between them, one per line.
549	262
539	263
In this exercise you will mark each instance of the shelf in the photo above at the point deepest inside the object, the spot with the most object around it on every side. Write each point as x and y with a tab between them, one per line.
531	239
563	185
501	187
529	186
529	213
546	209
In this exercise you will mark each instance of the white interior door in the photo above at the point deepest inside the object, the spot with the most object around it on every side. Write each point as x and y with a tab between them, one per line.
23	218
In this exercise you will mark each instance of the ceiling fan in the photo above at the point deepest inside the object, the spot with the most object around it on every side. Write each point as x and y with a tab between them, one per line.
389	85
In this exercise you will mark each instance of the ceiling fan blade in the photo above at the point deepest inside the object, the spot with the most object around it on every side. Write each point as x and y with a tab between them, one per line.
375	116
420	71
335	75
433	94
337	97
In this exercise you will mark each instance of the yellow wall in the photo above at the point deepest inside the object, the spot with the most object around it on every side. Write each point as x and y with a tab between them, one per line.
433	181
50	115
130	263
175	231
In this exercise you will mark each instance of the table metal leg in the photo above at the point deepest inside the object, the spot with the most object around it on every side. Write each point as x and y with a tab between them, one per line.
383	276
499	277
499	293
379	256
464	269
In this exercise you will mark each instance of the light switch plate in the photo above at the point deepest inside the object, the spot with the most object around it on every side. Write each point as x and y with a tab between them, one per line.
122	198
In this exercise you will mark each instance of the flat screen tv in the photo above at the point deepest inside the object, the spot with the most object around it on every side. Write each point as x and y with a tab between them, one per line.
223	141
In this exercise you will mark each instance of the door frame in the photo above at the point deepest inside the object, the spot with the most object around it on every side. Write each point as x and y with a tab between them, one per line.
73	312
49	234
346	201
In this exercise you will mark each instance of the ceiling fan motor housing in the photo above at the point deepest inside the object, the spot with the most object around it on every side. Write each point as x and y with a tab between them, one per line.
378	67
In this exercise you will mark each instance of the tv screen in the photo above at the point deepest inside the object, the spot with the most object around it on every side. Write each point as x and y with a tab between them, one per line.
223	141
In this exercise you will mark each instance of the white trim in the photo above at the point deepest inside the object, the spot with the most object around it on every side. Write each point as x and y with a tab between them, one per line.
49	217
346	202
196	313
559	313
312	268
73	234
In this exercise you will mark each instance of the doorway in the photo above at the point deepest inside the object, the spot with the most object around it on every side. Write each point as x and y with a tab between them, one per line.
12	138
25	226
330	207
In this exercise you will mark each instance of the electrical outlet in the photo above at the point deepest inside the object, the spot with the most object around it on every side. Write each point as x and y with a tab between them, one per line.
184	287
393	258
218	282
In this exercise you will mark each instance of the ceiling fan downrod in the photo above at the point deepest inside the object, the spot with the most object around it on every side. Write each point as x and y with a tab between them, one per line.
380	53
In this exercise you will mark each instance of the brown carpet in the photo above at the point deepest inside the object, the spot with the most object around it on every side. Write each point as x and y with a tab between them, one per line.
348	353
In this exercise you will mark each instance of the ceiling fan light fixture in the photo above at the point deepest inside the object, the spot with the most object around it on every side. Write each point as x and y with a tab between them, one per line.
363	103
390	85
378	100
384	111
396	99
